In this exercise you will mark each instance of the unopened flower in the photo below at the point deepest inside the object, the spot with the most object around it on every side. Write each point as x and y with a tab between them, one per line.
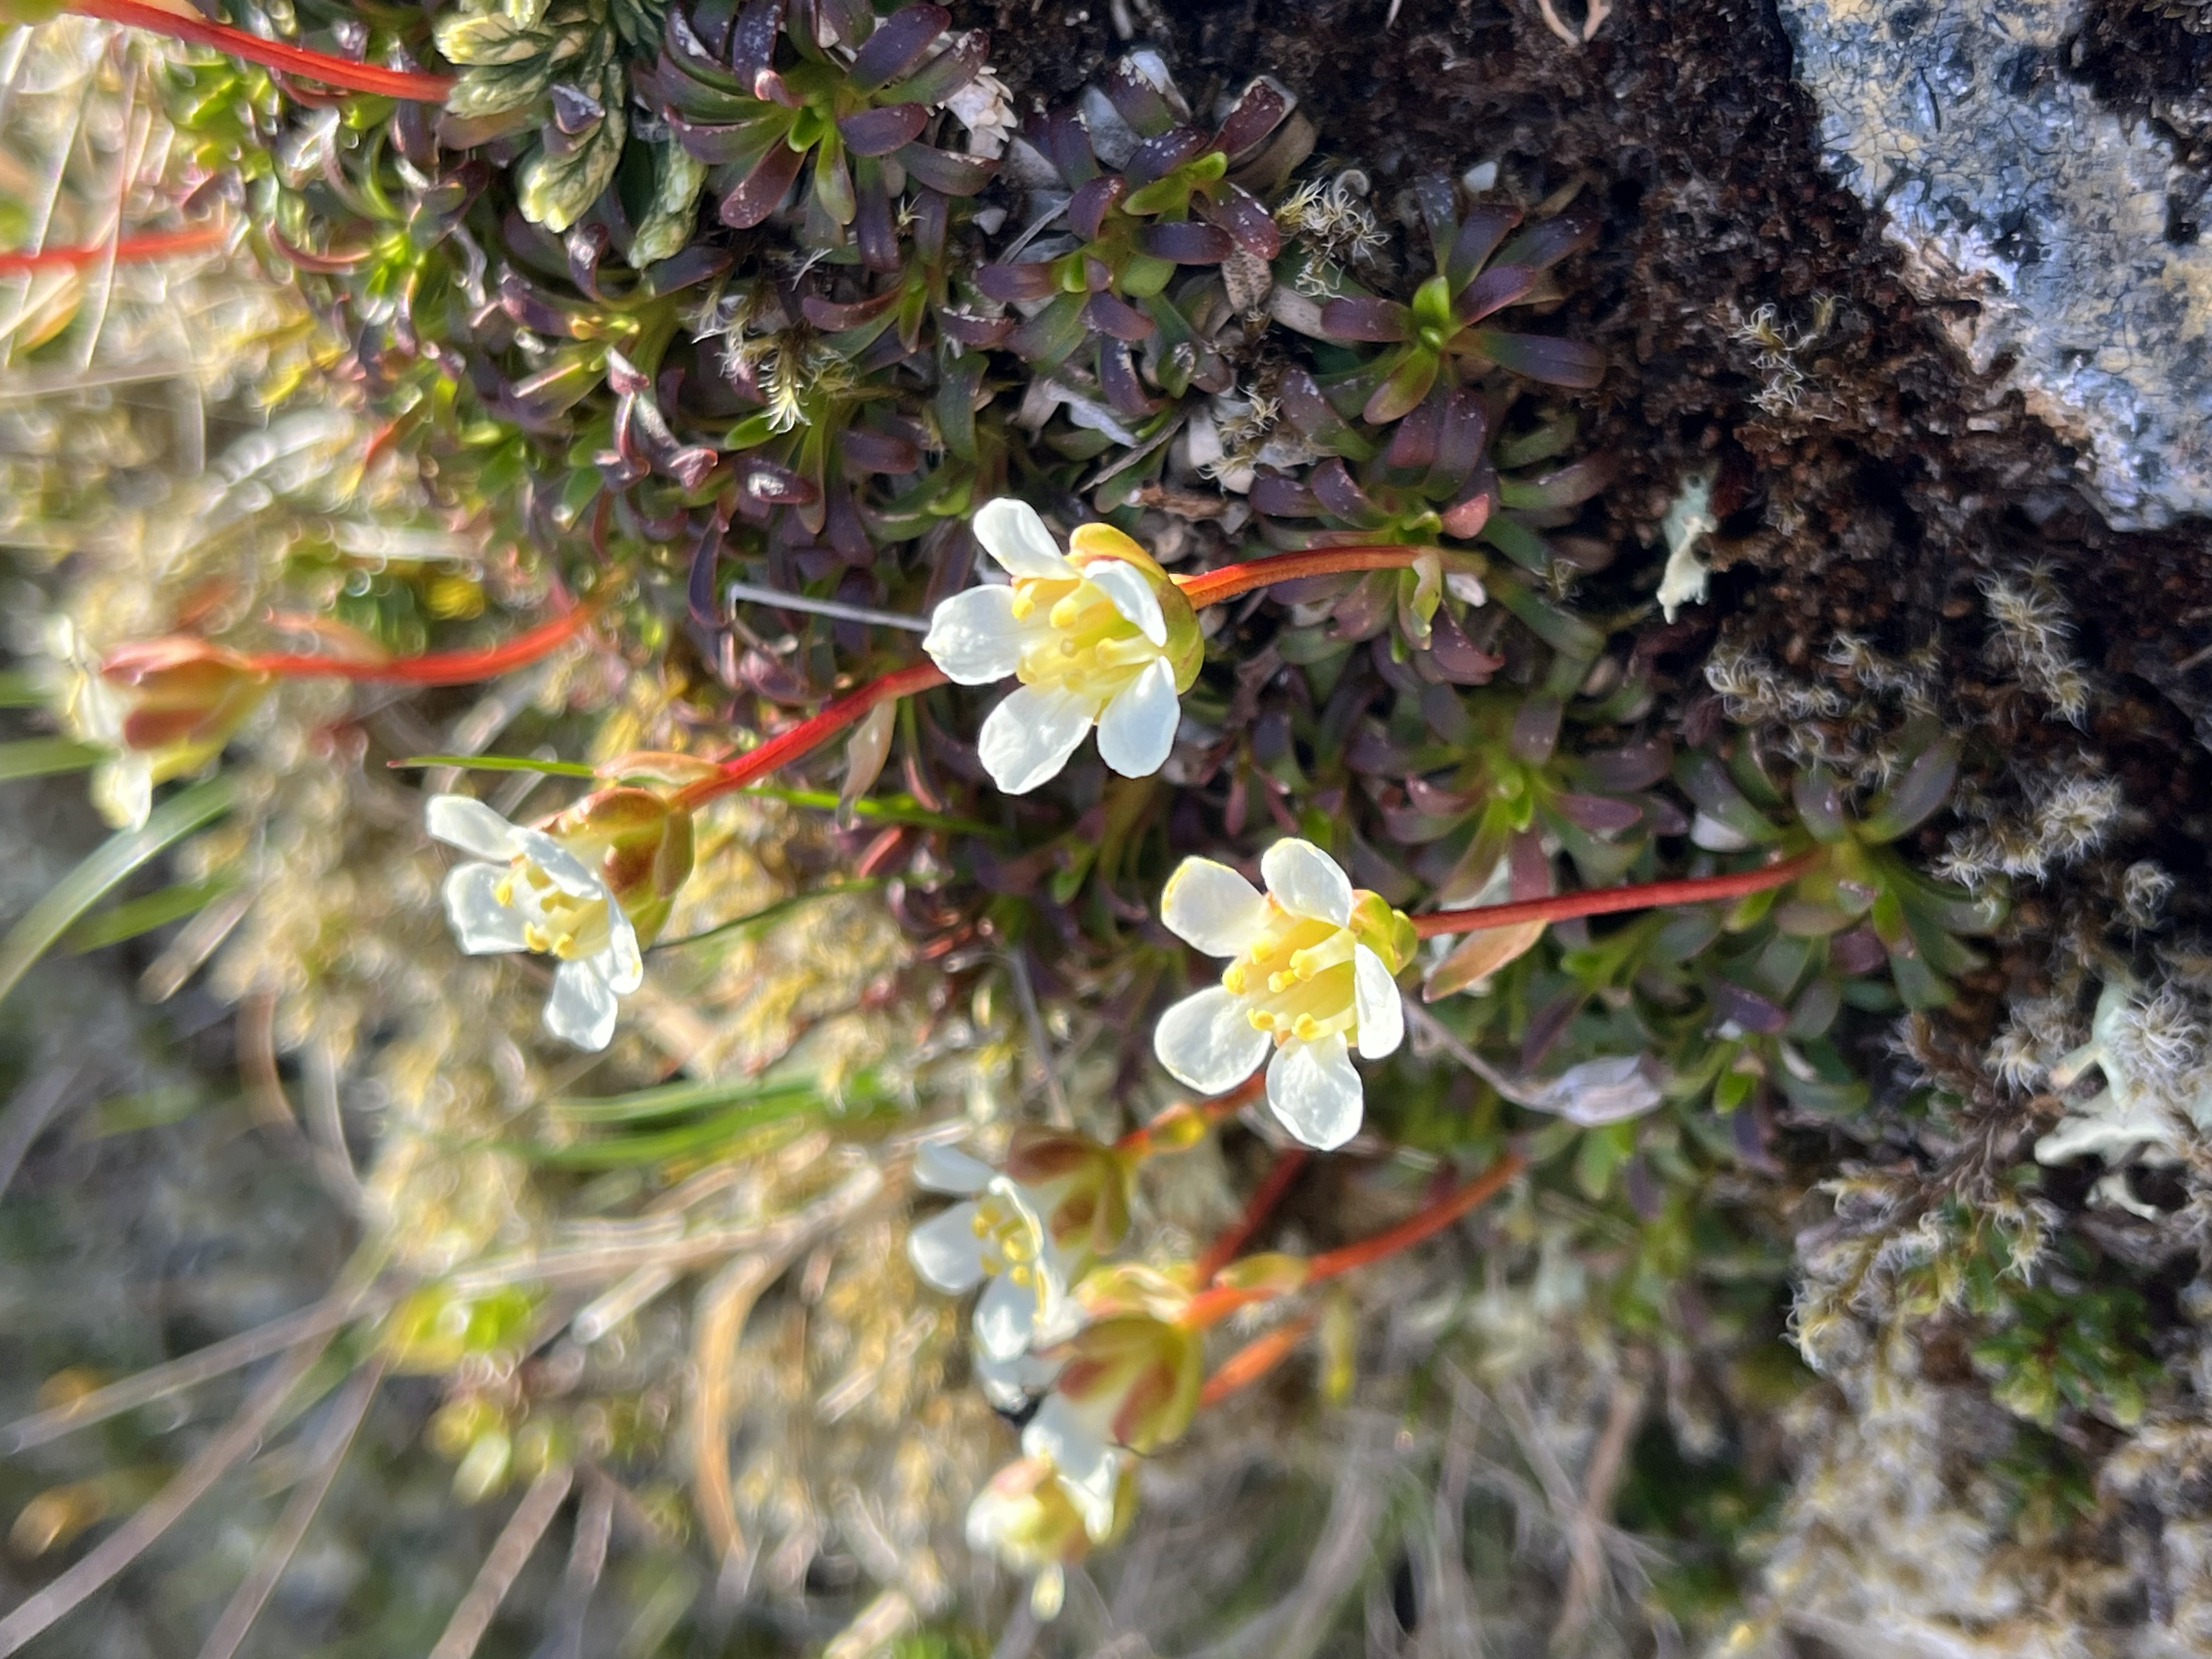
1031	1230
582	890
1030	1519
1099	636
1315	974
166	706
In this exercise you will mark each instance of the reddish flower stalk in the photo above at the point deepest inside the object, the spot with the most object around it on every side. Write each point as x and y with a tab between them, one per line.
1253	1361
340	72
808	735
124	249
1232	579
436	667
1270	1192
1210	1307
1605	901
1173	1129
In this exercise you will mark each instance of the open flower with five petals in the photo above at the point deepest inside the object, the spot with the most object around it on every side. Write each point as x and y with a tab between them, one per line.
1027	1234
560	892
1313	975
1099	636
1035	1522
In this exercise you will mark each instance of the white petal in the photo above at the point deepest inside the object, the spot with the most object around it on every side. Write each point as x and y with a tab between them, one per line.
1716	837
1305	881
1008	1384
1133	596
1376	1005
948	1170
973	636
1315	1093
1137	728
123	791
569	874
1011	532
1207	1041
1006	1319
479	920
946	1251
1076	1441
1214	907
471	825
1027	738
582	1009
621	964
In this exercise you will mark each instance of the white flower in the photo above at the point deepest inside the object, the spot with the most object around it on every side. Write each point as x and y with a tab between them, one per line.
1030	1519
1315	973
1003	1235
1098	637
533	894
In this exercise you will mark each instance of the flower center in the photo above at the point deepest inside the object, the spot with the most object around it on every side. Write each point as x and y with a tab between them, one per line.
1007	1242
556	922
1085	646
1295	979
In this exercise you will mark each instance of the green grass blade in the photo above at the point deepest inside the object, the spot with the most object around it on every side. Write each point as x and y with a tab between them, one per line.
551	768
674	1099
39	757
740	925
34	933
20	688
143	915
897	809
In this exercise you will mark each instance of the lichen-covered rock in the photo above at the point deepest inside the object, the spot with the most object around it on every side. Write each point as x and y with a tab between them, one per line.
2008	184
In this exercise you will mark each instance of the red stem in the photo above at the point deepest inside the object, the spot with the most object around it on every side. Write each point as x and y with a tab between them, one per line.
125	250
1210	1307
1256	1211
808	735
1231	580
340	72
436	667
1253	1361
1605	901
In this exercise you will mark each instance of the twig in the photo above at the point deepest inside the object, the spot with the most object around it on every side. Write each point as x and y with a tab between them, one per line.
1586	1545
517	1542
587	1559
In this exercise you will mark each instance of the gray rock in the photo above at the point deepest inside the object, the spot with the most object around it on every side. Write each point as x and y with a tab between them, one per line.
2007	184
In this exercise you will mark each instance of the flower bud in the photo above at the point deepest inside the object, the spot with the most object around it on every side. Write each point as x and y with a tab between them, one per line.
1030	1519
640	844
167	707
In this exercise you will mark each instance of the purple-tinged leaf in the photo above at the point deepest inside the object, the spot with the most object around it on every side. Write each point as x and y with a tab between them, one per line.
1535	732
1636	766
867	451
1186	242
762	191
1402	390
772	88
1413	445
1496	288
1480	233
1312	415
700	589
752	39
880	131
1137	101
1279	497
624	378
1469	512
830	316
975	331
1258	110
1366	611
1462	429
1541	247
1062	139
1108	315
1241	215
763	481
1052	334
895	46
1157	157
1031	280
944	75
1548	1023
853	20
1427	797
945	172
574	110
520	299
1361	317
1087	208
1859	952
746	143
875	230
1543	357
1562	486
1602	815
1458	659
1117	377
1339	492
1750	1011
697	264
1439	205
1916	797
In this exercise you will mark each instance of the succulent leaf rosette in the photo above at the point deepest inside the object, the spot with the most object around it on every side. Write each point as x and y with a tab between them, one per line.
1098	635
1313	974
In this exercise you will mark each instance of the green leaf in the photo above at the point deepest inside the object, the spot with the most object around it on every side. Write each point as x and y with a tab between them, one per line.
38	757
675	1099
551	768
34	933
673	213
743	926
20	688
564	175
141	915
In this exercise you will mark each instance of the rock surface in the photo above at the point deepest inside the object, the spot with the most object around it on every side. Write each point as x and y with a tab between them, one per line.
2008	184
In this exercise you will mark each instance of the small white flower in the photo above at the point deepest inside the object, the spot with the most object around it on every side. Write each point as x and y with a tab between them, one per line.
1315	973
1032	1519
533	894
1101	638
1000	1234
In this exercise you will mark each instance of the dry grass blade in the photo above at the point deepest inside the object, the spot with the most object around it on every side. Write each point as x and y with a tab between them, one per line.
587	1559
517	1541
724	1306
127	1542
277	1551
